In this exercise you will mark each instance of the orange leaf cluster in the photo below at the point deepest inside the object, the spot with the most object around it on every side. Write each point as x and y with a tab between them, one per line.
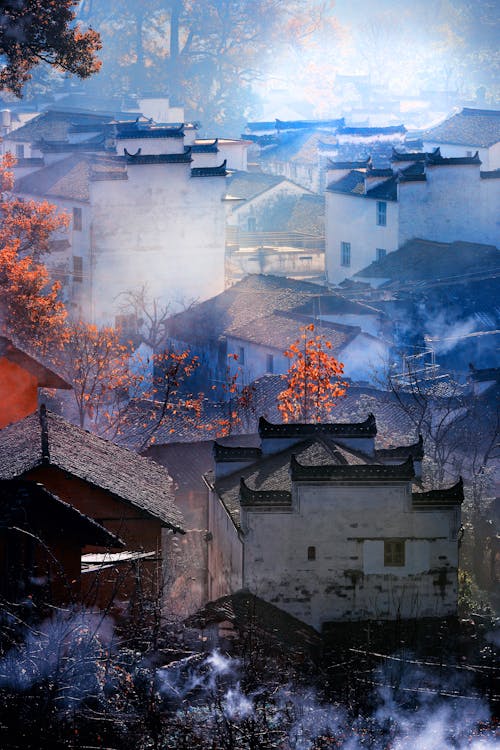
313	380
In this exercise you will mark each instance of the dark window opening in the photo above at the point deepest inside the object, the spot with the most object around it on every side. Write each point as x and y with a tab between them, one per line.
345	253
394	553
241	355
77	219
77	268
252	224
20	150
269	363
381	213
311	553
381	253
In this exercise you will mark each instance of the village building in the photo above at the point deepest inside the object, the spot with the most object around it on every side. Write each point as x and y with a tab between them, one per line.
245	320
273	226
21	377
128	186
41	543
130	496
321	524
371	212
466	132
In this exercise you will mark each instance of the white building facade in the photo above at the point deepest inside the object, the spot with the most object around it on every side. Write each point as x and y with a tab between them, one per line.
327	539
371	212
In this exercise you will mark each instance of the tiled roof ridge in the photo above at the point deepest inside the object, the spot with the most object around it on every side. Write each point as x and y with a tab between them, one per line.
150	132
235	453
453	495
249	496
472	111
362	130
217	171
370	472
490	174
416	450
318	324
436	160
361	164
367	428
413	155
138	158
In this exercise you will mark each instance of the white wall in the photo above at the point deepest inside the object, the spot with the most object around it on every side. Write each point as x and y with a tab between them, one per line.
225	552
490	157
347	580
354	219
160	227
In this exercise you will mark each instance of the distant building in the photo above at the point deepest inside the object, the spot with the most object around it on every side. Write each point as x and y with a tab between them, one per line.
466	132
145	203
324	526
371	212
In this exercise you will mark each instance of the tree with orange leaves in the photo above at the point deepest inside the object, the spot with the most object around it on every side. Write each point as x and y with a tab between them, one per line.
313	380
30	309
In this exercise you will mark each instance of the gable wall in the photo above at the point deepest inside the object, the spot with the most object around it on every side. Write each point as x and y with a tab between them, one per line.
348	581
18	392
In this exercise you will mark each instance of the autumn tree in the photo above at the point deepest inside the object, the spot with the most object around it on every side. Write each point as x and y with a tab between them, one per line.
30	308
34	31
313	380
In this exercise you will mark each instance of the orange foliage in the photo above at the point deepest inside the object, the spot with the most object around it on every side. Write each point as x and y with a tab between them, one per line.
30	309
313	379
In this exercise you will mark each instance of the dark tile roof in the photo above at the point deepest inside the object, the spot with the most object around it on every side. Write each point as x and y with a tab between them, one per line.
97	144
363	131
219	171
419	156
367	428
149	132
365	472
251	614
250	184
45	377
55	125
352	183
419	260
139	159
33	161
249	299
27	504
387	190
470	127
439	498
415	450
210	147
436	160
130	477
276	498
67	178
493	174
271	474
229	453
364	163
280	330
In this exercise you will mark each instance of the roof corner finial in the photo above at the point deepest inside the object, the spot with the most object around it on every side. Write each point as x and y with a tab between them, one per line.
44	424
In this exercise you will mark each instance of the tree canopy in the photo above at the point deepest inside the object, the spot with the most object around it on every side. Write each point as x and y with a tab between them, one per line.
34	31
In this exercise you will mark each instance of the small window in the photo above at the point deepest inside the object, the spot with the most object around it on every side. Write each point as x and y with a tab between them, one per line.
77	268
394	553
20	150
311	553
269	363
381	213
345	253
77	219
241	355
252	224
381	253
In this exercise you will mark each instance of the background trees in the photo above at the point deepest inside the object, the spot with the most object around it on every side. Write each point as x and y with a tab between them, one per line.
30	309
313	379
32	31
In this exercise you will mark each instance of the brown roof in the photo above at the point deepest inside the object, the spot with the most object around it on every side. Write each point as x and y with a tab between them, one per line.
255	296
69	178
470	127
419	260
248	612
280	330
45	377
130	477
